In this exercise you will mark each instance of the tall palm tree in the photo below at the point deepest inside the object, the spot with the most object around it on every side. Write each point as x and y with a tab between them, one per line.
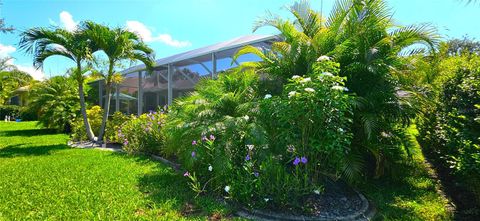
119	45
360	35
47	42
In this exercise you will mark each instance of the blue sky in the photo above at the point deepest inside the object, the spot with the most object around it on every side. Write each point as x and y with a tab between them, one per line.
173	26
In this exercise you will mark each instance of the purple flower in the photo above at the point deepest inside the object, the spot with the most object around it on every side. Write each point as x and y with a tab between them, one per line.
256	174
194	142
186	174
296	161
125	142
194	154
212	137
247	158
204	138
304	160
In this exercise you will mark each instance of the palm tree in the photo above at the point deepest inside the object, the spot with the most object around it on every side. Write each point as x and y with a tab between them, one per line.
46	42
360	35
119	45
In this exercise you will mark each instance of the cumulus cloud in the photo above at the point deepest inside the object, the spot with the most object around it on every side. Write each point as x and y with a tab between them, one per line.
67	21
147	36
6	50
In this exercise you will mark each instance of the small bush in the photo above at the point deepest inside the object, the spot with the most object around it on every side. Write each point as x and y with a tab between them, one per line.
114	124
28	114
143	134
9	110
94	115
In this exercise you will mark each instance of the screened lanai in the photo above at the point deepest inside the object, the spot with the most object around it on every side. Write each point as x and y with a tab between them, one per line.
176	75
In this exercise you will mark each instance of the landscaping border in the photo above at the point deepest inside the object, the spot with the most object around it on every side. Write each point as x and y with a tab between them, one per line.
367	212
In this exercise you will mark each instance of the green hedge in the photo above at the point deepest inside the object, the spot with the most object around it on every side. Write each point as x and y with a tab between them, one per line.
10	110
451	130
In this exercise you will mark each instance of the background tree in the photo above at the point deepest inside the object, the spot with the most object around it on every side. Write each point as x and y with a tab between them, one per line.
10	80
118	45
46	42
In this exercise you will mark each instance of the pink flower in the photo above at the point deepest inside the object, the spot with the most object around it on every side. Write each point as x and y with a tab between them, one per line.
186	174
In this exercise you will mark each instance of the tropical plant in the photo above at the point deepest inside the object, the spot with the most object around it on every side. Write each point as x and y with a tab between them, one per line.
143	134
46	42
250	147
10	80
94	115
360	36
56	101
118	45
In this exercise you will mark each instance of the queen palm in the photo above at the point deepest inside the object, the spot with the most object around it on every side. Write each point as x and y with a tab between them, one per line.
47	42
361	36
118	45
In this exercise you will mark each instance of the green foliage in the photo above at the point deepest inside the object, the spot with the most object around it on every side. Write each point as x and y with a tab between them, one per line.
94	115
10	80
119	45
450	127
262	151
114	125
361	37
56	102
143	134
9	110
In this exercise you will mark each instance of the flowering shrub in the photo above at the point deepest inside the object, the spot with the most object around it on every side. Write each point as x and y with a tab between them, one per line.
94	115
113	126
143	134
263	150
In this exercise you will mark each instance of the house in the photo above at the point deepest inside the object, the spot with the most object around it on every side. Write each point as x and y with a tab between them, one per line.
176	75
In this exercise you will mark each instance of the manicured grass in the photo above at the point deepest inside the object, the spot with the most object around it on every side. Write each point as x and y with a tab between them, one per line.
42	178
410	193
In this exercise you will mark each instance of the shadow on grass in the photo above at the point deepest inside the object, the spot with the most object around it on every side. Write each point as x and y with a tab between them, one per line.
21	150
27	133
169	191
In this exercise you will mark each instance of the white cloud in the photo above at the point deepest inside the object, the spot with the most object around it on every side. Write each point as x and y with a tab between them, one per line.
37	74
6	50
67	21
147	36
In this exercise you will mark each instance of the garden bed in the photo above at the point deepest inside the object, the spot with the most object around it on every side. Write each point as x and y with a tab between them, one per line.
337	202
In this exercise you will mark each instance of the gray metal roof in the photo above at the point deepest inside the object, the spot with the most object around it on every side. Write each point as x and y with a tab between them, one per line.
221	50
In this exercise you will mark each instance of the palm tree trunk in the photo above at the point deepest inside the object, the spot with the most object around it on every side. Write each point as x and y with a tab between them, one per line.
106	109
83	109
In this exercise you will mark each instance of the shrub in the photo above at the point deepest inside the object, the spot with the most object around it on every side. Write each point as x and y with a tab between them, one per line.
114	124
94	115
451	129
143	134
28	114
9	110
263	150
56	102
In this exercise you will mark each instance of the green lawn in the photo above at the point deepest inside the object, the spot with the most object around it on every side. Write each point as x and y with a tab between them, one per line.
410	193
42	178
